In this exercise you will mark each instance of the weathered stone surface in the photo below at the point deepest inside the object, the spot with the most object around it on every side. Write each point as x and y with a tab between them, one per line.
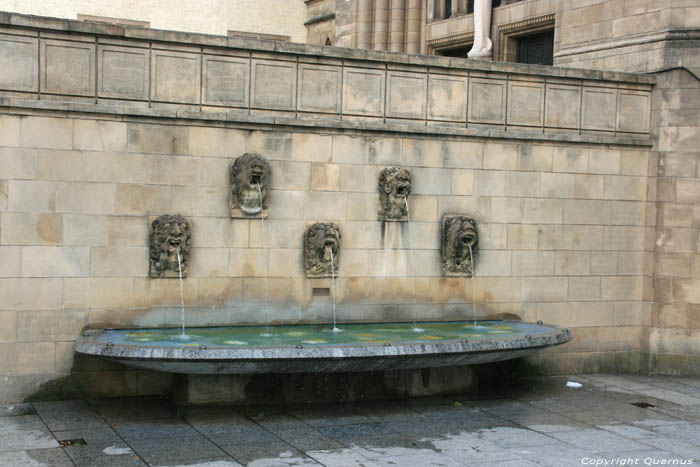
525	103
321	250
487	101
599	108
406	95
394	188
175	76
319	88
19	62
250	181
69	67
123	72
459	245
563	106
225	80
363	91
169	250
447	98
274	85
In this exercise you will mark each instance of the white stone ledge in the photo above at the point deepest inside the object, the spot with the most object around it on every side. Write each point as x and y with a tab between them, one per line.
238	120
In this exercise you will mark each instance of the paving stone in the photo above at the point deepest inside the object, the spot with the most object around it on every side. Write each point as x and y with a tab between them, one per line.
685	432
341	458
24	433
358	432
471	448
675	446
247	453
307	438
629	431
103	446
36	458
17	409
671	396
68	415
132	409
420	459
598	440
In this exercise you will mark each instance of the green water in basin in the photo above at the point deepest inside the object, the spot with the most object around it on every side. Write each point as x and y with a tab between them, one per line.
320	335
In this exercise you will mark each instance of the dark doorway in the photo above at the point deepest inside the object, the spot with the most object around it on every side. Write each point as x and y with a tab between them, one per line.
536	49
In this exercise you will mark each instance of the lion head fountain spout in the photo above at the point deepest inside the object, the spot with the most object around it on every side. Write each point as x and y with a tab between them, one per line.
321	248
169	237
394	188
250	175
459	245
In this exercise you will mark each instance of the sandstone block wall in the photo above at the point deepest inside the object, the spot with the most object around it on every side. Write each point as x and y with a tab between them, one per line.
676	188
560	194
627	36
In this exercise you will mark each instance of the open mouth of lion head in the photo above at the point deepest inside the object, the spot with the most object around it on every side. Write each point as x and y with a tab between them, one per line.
403	189
175	243
469	239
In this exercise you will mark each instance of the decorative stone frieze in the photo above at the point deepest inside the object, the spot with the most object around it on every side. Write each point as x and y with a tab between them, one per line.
394	188
169	234
321	250
458	235
250	175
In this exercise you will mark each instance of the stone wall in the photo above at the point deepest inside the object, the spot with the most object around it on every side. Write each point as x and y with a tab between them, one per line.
635	36
551	163
675	327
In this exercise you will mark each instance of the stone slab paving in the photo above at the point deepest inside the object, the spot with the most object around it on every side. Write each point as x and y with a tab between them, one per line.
524	423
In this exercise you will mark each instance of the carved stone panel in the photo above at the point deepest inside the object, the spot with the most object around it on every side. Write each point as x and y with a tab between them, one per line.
169	234
458	235
394	188
250	179
321	250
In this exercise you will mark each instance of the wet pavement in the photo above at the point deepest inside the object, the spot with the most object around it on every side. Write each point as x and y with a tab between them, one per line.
610	420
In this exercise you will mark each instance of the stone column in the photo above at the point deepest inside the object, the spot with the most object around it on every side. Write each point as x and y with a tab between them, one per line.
398	18
381	24
364	24
413	26
460	8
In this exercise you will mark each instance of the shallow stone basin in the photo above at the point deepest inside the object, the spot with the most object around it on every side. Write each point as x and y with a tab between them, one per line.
316	348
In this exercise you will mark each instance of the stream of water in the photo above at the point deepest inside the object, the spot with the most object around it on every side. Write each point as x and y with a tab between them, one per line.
182	295
335	328
410	266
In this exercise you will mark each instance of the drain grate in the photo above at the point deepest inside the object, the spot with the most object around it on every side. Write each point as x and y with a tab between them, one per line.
643	405
72	442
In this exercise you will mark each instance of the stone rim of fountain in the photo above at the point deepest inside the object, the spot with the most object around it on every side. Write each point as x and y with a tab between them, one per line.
348	357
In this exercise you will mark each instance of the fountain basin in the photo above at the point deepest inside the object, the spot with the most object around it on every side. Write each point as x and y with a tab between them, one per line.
316	348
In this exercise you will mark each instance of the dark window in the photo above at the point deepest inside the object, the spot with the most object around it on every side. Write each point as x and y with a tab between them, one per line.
536	49
448	8
328	41
460	51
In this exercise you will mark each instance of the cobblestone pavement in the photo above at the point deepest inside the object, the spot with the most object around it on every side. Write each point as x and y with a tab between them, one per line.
610	420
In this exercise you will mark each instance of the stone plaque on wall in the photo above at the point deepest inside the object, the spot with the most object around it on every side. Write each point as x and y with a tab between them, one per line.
459	245
250	179
394	188
274	85
68	67
123	72
169	247
225	80
321	250
175	76
19	63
